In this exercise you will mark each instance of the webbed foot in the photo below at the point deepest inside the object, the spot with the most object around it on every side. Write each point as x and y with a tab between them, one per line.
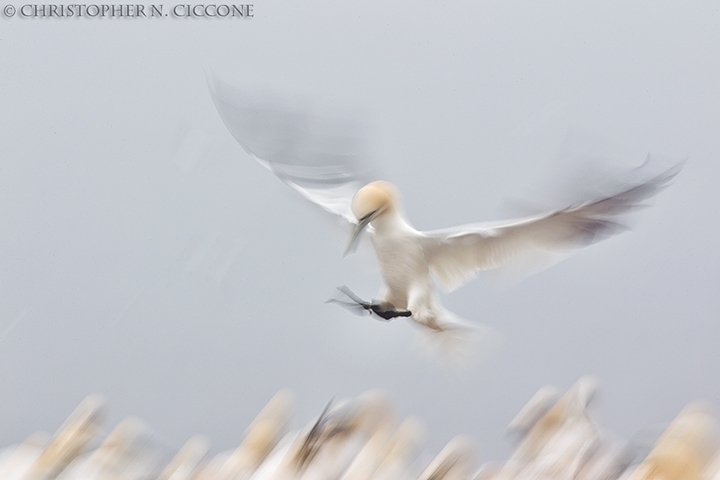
384	310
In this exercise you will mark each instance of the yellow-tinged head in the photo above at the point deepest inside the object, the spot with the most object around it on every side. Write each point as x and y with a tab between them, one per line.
374	199
371	201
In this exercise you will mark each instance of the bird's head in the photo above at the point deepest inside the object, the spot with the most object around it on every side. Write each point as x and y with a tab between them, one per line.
370	202
373	200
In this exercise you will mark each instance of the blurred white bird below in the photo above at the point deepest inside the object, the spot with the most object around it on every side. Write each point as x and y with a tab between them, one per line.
324	165
365	438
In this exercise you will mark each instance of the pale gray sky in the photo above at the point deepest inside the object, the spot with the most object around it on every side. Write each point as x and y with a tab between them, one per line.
145	256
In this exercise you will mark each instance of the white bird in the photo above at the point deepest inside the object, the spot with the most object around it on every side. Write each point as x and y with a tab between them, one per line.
323	163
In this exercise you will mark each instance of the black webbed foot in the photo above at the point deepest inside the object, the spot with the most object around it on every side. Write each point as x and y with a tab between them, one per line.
383	310
378	310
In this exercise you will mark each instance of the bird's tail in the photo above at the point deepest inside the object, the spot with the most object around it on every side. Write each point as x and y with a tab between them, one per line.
458	342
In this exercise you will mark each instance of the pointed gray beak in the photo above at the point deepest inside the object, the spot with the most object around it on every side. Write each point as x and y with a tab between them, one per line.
355	238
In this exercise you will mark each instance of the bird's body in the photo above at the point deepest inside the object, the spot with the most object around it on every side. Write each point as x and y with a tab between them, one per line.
405	273
326	170
404	270
402	255
399	257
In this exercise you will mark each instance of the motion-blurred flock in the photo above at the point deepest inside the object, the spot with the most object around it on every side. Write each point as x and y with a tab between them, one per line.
361	439
554	436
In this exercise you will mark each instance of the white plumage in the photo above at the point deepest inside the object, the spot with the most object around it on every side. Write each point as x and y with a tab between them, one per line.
325	165
361	439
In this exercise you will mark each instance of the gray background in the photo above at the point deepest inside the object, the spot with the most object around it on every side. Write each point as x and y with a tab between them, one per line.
145	256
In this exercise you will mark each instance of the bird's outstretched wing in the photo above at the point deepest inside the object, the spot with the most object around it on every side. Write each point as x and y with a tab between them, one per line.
323	159
455	254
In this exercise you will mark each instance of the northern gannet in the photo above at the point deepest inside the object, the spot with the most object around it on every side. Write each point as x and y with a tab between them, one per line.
322	162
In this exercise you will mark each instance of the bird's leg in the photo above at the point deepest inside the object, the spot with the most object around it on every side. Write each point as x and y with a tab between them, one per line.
383	310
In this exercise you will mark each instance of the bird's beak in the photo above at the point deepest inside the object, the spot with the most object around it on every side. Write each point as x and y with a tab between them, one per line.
355	238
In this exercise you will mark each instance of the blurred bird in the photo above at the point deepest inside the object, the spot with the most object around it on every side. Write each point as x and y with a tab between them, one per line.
455	462
324	164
